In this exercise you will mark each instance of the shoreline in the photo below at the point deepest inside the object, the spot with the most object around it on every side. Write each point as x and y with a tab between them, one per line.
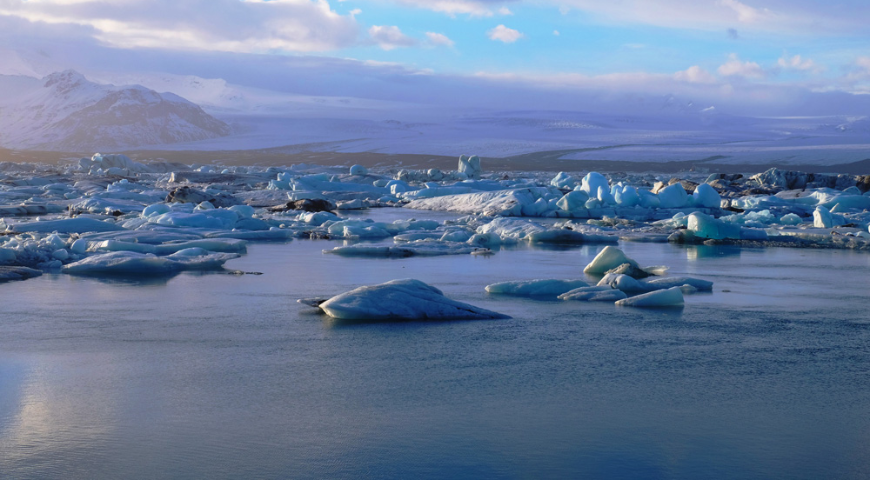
545	161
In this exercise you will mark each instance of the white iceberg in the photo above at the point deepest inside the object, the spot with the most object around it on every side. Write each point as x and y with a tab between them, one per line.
607	259
533	288
672	297
135	263
401	300
594	294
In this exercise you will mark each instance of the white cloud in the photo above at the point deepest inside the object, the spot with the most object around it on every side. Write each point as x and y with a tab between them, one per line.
556	33
745	13
798	63
478	8
221	25
390	37
504	34
735	68
439	39
695	74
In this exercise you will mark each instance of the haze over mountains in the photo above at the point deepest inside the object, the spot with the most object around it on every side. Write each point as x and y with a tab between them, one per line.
66	111
115	111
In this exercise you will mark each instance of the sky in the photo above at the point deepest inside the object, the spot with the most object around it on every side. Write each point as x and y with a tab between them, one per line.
781	55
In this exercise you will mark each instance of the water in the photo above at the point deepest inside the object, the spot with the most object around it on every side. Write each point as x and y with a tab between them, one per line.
222	376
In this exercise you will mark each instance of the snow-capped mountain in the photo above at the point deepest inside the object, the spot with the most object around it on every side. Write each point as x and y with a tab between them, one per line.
66	111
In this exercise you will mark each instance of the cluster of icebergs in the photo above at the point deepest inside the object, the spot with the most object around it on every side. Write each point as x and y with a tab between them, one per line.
108	214
622	282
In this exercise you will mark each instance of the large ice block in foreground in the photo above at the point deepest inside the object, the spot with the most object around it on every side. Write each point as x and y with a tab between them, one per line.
406	299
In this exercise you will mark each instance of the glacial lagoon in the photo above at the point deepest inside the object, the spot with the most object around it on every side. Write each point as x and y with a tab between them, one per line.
216	375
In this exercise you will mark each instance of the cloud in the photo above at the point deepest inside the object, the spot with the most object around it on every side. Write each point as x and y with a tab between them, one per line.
735	68
798	63
217	25
745	13
478	8
695	74
390	37
504	34
792	16
439	39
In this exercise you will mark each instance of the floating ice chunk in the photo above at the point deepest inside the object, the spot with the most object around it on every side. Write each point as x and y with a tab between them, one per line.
7	255
790	219
401	300
358	170
623	282
531	288
673	196
67	225
672	297
706	196
563	180
822	218
649	199
592	183
470	166
625	196
134	263
594	294
421	248
503	203
608	258
17	273
244	211
155	209
573	202
214	245
705	226
669	282
317	218
398	186
456	236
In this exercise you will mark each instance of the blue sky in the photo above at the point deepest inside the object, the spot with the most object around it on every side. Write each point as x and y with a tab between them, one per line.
708	48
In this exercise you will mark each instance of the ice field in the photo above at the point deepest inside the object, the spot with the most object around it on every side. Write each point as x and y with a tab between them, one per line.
305	321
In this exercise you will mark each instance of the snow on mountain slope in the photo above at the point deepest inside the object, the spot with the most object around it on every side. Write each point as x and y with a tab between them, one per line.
217	96
66	111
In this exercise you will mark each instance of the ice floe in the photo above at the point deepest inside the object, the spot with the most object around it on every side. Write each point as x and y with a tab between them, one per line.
401	300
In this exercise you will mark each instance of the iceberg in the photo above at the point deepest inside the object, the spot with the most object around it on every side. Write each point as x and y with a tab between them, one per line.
401	300
672	297
17	273
424	248
608	259
594	294
533	288
67	225
135	263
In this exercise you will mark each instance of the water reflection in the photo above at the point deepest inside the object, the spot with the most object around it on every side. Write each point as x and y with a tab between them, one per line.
697	252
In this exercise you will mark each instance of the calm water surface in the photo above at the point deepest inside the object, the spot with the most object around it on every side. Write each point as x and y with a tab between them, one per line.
222	376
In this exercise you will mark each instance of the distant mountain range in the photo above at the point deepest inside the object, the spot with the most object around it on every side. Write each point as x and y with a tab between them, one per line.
66	111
